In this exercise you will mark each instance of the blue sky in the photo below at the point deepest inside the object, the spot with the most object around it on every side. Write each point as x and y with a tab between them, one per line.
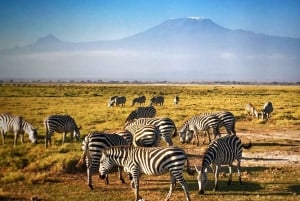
23	21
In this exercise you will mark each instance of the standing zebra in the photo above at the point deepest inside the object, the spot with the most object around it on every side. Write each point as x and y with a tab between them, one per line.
144	135
226	119
266	111
118	101
222	151
157	100
92	146
252	110
165	125
150	161
141	100
141	112
16	124
193	125
111	101
60	124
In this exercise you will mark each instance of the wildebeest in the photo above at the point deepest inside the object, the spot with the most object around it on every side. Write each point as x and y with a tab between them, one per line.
157	100
266	111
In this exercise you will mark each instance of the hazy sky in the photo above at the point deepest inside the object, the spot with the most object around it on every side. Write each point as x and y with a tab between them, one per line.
23	21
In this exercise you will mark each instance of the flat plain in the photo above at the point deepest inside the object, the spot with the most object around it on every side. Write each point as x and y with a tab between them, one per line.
270	169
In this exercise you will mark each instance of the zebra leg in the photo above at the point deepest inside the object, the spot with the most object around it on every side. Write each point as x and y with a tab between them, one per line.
63	137
136	187
89	176
22	138
120	174
16	137
2	136
184	186
239	171
216	178
172	186
230	175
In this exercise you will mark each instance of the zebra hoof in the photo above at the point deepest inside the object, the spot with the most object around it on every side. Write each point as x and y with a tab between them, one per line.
91	186
201	192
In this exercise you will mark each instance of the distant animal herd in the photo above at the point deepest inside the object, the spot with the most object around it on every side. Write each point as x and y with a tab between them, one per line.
136	149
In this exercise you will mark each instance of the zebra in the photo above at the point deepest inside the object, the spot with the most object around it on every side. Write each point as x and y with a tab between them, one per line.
176	100
60	124
144	135
190	128
252	110
141	100
16	124
150	161
222	151
117	101
227	119
126	135
157	100
92	146
141	112
111	101
266	111
165	125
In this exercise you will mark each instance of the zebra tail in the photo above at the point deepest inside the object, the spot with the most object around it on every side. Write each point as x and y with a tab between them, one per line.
175	132
247	146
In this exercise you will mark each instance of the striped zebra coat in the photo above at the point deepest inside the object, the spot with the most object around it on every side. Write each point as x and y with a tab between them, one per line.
222	151
150	161
118	101
226	119
190	128
144	135
165	125
60	124
92	146
141	112
141	100
16	124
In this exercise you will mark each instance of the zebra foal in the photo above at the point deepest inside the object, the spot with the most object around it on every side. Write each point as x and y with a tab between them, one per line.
92	147
150	161
60	124
222	151
16	124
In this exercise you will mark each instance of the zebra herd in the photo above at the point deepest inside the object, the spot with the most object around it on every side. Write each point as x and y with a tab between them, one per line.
265	113
136	149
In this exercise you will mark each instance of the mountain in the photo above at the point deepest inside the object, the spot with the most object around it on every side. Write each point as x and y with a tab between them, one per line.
191	48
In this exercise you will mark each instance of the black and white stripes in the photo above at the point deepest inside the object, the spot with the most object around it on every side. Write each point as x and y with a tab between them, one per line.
16	124
60	124
141	112
150	161
222	151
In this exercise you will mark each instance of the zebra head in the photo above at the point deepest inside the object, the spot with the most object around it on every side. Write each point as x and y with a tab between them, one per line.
76	133
202	179
189	136
182	133
33	136
106	165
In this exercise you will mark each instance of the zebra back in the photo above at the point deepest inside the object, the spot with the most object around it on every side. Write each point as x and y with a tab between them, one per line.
157	100
141	112
144	135
140	100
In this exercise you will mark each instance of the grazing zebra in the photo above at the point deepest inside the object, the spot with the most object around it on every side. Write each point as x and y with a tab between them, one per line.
266	111
252	110
126	135
144	135
227	120
60	124
141	100
111	101
117	101
150	161
165	125
222	151
193	125
141	112
16	124
157	100
92	146
176	100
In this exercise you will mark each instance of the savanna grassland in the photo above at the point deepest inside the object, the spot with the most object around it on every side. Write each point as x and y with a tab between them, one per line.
270	169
